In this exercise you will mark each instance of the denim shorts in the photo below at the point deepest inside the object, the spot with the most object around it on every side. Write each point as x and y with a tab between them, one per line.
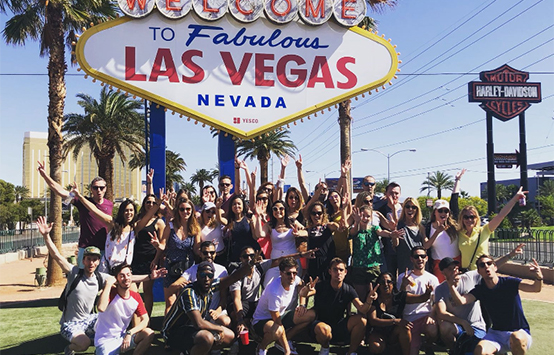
69	330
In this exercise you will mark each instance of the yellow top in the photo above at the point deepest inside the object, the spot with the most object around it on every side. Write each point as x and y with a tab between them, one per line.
340	237
467	245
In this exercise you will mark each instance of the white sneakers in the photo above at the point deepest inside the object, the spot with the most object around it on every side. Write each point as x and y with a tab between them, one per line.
291	346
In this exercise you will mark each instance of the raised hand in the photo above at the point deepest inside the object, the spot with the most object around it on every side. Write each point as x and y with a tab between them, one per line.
299	162
428	289
345	168
150	176
75	190
259	209
373	292
44	227
154	239
407	279
285	161
356	214
517	250
536	269
520	193
41	168
243	165
157	273
460	173
253	175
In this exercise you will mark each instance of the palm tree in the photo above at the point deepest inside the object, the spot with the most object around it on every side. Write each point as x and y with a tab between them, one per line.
261	148
107	127
174	163
438	181
21	193
547	188
53	24
381	185
201	176
189	188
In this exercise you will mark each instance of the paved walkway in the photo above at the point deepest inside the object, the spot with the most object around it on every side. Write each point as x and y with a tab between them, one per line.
17	283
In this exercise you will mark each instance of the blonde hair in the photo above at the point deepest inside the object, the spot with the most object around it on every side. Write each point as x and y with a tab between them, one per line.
360	198
461	227
418	216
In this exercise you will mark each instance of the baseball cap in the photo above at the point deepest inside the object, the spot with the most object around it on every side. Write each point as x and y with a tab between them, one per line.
208	205
92	251
446	262
205	265
441	204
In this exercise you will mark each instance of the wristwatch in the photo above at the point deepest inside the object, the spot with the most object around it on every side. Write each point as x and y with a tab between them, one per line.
128	333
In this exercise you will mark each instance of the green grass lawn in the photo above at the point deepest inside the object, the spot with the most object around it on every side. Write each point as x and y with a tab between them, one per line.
32	328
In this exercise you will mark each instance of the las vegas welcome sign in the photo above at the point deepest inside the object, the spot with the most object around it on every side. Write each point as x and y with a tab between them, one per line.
240	73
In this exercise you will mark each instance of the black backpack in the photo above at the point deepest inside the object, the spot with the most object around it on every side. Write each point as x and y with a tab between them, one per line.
62	301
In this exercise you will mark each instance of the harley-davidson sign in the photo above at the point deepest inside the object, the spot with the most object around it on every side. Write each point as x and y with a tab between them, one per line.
243	78
504	92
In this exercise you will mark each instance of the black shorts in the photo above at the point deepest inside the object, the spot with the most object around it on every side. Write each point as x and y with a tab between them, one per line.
141	268
182	338
339	330
363	276
287	319
248	308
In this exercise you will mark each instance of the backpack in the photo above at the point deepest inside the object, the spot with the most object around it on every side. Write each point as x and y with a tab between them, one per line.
62	301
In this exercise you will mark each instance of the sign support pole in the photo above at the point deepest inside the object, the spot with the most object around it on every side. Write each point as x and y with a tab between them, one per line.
226	157
157	145
522	153
491	183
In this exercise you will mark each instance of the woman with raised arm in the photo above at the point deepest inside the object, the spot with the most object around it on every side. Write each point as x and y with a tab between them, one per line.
473	239
320	237
281	231
336	206
441	234
144	254
177	243
120	241
238	229
385	316
414	232
212	230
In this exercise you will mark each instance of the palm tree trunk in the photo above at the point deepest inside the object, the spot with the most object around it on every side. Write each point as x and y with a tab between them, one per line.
345	124
105	170
56	95
263	169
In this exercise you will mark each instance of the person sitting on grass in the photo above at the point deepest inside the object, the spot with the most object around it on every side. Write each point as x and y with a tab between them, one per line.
117	306
78	321
510	330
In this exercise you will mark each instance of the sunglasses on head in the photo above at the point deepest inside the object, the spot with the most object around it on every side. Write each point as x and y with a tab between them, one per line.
317	213
443	210
410	207
470	216
482	264
98	187
183	209
208	252
290	273
248	256
277	209
419	256
203	275
367	183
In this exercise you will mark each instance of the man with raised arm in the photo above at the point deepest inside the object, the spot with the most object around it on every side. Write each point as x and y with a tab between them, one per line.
92	230
510	330
457	320
117	306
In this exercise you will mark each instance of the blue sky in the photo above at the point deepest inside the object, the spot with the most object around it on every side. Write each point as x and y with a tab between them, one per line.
426	108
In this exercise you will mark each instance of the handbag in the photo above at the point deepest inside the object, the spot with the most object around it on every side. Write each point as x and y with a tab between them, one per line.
178	267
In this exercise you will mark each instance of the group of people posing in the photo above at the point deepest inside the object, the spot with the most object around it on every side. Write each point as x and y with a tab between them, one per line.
250	262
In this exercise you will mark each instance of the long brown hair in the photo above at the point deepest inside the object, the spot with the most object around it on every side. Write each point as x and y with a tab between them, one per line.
324	217
193	228
452	229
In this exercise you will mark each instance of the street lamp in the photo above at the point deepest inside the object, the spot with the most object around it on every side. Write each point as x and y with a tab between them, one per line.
388	156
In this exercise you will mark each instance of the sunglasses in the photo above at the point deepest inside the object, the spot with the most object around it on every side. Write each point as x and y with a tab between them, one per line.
292	197
485	263
248	256
317	213
410	207
203	275
386	282
209	211
419	256
278	209
290	273
367	183
472	217
98	187
151	203
262	199
183	209
223	184
208	252
443	210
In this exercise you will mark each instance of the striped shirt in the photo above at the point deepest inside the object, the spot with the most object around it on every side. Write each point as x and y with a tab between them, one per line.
190	299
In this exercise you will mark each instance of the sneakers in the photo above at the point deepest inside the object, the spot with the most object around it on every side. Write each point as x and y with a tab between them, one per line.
261	351
68	351
291	346
324	351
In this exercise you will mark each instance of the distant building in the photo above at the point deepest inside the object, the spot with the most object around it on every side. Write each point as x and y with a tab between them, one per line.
127	183
544	171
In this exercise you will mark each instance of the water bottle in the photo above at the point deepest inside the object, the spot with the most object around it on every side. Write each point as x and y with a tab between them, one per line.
68	199
522	201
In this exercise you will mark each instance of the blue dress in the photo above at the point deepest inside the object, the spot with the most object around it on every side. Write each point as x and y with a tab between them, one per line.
177	250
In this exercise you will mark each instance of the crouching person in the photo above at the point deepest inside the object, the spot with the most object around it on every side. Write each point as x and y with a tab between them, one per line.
116	307
186	326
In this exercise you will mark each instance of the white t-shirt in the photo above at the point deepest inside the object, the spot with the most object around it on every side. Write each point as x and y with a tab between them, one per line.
444	247
220	271
418	310
214	235
118	251
275	299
